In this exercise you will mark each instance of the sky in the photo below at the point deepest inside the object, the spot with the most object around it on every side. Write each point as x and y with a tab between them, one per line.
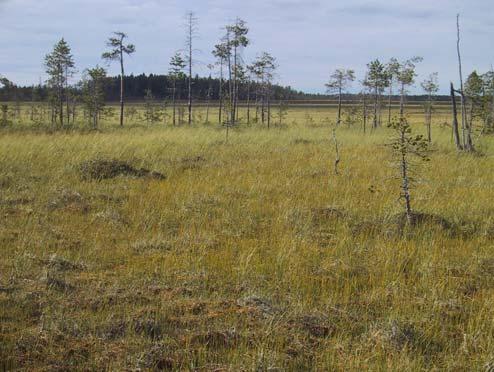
309	38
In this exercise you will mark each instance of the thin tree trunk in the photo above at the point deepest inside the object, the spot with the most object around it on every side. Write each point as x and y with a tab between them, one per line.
230	84
466	127
174	102
248	102
208	100
364	111
375	108
456	134
429	119
405	182
220	116
122	72
389	102
491	122
60	98
207	106
263	105
379	108
402	100
338	121
337	150
269	111
189	104
234	88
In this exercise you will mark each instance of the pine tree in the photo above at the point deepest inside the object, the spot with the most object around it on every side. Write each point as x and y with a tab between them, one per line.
94	94
338	82
404	147
59	66
431	87
117	52
376	80
177	65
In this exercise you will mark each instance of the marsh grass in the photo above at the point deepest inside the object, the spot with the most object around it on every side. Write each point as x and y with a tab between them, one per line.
250	255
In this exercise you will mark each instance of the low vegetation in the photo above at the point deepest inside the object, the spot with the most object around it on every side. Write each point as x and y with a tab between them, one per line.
250	254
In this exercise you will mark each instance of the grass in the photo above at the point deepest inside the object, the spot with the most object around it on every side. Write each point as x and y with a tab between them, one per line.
250	255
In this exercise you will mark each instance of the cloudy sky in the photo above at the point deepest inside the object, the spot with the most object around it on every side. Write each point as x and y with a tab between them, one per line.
310	38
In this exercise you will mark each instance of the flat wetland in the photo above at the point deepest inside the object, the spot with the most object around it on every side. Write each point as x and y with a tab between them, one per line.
154	247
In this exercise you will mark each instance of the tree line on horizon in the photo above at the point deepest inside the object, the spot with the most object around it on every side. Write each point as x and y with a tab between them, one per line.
230	81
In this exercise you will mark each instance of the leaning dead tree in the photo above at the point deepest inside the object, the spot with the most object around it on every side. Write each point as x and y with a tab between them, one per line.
466	127
454	126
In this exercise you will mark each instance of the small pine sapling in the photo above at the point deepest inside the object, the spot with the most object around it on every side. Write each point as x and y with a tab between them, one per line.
405	148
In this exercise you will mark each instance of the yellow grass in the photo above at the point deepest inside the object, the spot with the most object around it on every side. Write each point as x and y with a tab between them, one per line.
229	264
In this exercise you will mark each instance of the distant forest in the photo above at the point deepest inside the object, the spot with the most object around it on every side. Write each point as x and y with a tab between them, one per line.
136	87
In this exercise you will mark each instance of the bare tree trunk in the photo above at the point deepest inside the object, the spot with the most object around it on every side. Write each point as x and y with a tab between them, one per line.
257	108
67	104
190	36
375	108
174	102
337	150
429	119
379	109
465	126
405	186
122	73
269	110
456	134
60	98
208	101
338	121
491	121
234	88
263	104
389	101
248	102
237	105
220	116
364	111
402	100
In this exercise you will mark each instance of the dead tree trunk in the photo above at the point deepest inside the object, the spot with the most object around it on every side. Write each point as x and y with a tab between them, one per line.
466	128
456	133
